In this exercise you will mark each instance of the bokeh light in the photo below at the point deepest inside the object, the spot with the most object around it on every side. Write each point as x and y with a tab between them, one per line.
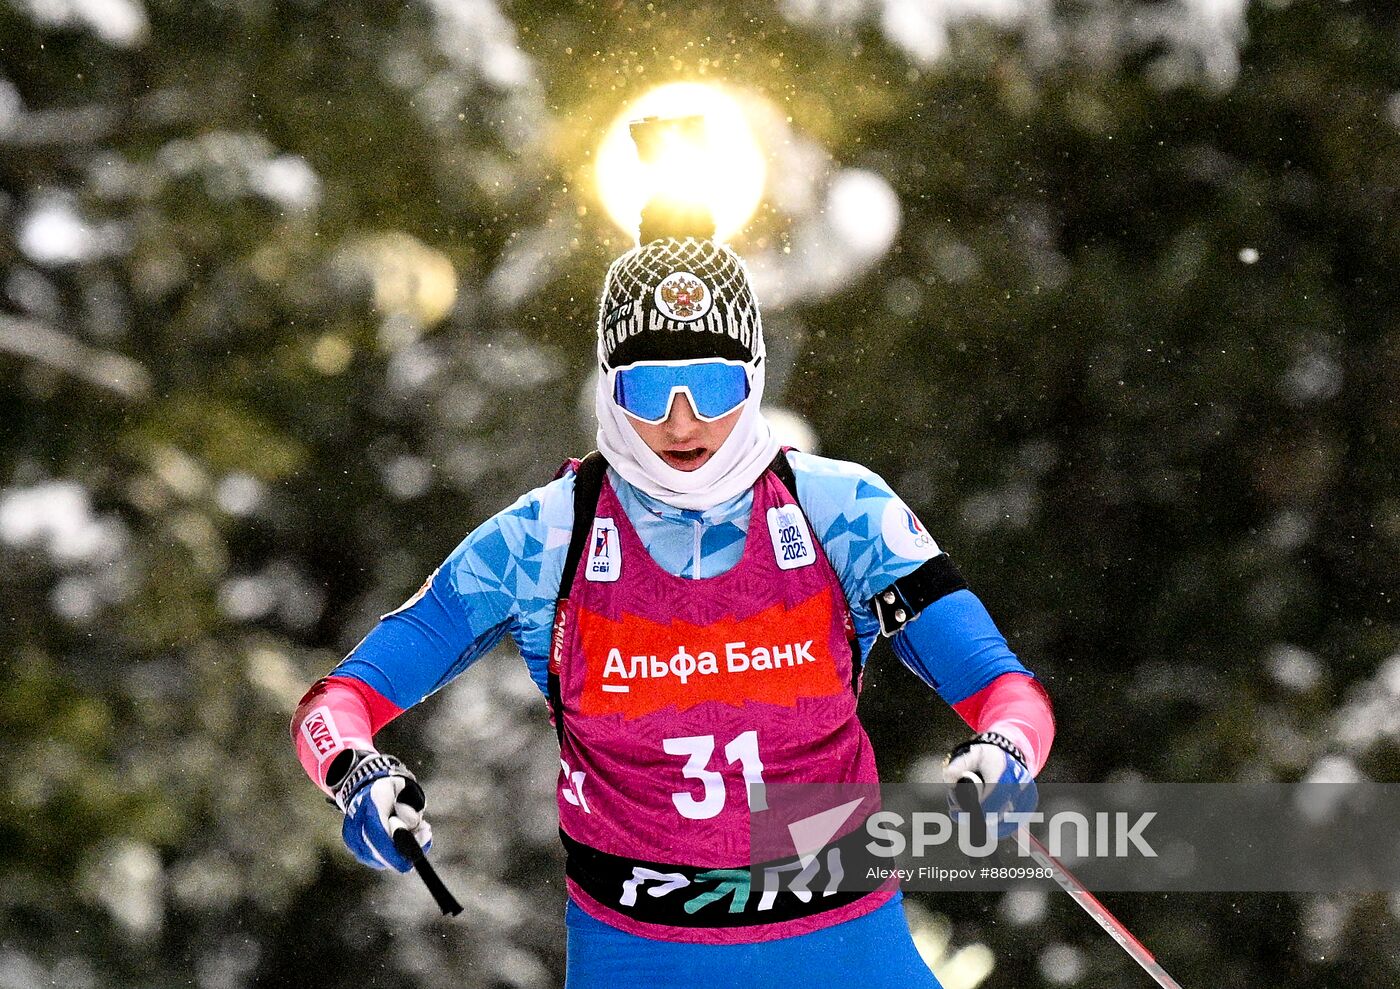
725	170
408	278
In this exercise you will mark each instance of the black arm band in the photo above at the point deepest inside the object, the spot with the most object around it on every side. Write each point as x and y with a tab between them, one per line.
900	603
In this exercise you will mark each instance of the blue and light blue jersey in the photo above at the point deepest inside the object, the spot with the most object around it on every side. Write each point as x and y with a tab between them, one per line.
504	579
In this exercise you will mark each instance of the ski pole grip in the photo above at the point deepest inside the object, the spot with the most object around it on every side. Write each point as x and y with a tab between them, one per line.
409	848
966	793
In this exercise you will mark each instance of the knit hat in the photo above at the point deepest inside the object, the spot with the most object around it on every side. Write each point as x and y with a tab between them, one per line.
679	295
682	296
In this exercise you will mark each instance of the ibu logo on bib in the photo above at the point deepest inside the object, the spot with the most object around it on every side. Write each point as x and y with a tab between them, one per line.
604	552
792	540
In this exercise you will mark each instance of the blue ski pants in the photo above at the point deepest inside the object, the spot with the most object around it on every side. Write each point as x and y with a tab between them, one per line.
871	952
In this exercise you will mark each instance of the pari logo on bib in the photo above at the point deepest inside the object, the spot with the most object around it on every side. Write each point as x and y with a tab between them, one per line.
604	553
792	540
683	297
904	533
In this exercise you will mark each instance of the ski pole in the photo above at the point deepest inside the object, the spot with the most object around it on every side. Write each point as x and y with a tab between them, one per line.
966	793
410	849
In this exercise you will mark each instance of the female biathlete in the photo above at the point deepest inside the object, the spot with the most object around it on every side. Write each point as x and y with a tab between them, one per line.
695	603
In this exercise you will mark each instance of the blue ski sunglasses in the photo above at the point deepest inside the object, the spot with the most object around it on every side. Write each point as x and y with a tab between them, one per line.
715	387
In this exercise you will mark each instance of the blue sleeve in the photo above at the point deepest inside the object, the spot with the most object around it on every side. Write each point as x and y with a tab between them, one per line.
872	538
955	647
503	577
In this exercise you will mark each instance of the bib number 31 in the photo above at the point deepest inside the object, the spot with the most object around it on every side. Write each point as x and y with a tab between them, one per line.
698	749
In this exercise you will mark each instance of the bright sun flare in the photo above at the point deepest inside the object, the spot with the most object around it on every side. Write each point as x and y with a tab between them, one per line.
725	172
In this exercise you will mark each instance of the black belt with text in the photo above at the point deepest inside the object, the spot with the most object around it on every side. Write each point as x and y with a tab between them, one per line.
740	896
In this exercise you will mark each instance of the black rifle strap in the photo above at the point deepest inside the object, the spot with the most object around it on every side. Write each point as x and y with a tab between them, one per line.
783	469
588	485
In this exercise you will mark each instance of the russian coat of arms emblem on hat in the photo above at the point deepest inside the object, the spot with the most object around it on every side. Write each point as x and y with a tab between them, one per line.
683	296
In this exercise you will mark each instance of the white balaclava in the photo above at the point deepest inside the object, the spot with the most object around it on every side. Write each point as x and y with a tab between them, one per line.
682	298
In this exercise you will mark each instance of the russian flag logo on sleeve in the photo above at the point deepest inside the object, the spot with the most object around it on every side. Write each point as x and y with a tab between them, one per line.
904	534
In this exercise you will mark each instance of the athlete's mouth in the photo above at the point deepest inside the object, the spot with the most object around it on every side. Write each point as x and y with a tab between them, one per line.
688	458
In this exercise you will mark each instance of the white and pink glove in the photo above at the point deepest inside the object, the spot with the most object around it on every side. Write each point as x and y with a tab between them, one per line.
379	797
